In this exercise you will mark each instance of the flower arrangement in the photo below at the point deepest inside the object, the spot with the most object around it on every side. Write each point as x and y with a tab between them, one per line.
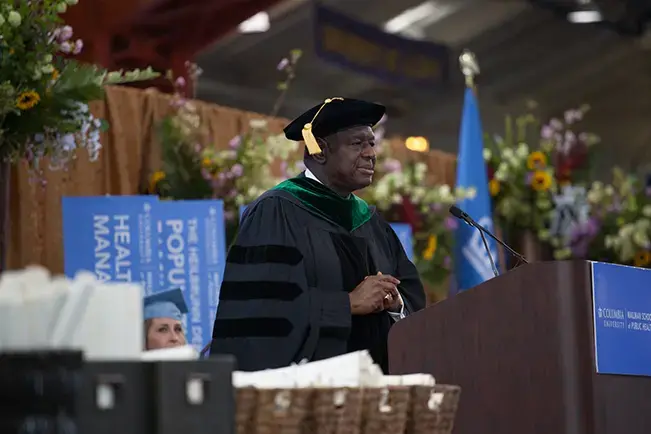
401	192
533	170
240	174
618	226
44	93
236	174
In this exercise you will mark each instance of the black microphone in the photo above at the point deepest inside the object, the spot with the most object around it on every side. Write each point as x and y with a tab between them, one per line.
461	215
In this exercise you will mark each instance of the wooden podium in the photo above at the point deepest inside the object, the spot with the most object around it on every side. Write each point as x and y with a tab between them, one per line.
521	346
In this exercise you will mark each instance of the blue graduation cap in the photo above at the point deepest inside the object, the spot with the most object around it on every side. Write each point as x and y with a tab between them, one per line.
168	304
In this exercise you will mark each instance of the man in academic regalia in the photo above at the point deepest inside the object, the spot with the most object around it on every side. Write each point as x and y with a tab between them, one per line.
314	271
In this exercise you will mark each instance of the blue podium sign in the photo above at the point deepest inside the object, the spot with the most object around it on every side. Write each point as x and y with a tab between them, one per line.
192	254
111	236
622	319
403	230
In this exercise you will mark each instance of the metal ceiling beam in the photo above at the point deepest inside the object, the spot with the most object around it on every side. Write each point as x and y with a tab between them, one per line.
284	15
560	94
523	81
494	47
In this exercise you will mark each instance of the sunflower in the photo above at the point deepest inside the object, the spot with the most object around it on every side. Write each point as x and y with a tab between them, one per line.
27	100
155	178
432	243
541	180
494	187
206	162
642	259
536	161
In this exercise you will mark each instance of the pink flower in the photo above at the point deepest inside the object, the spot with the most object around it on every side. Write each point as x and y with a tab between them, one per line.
179	82
392	165
65	47
79	45
528	177
283	64
64	33
572	116
235	142
177	102
206	174
570	139
556	124
197	147
547	132
237	170
451	223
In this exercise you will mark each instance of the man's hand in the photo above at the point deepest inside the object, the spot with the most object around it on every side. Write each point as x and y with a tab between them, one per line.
393	301
371	294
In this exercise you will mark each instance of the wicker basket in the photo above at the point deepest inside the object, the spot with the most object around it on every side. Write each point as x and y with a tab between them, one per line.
432	409
385	410
337	411
246	402
284	411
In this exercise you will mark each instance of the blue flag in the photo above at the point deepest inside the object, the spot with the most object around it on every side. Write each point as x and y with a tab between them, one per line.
472	265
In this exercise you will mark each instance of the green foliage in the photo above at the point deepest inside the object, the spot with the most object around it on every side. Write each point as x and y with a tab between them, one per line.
44	94
181	166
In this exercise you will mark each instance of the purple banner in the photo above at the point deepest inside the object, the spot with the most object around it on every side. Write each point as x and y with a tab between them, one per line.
364	48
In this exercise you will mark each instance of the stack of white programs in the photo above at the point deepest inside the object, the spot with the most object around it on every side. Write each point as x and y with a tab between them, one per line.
40	312
185	352
352	370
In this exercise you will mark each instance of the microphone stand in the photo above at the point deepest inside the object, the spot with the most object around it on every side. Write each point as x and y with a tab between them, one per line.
508	248
488	251
458	213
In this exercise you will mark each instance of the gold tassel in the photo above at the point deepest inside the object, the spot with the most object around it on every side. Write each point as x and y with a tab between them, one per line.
308	136
310	141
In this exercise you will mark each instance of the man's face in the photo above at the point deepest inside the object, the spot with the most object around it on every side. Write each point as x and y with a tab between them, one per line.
351	158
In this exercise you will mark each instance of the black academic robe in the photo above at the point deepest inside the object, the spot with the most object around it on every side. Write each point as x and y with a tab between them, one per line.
299	252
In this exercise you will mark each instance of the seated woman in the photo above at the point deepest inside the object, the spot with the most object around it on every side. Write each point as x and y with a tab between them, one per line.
163	313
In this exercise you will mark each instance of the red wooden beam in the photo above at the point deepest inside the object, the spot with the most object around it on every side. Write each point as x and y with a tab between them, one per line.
192	25
167	33
95	33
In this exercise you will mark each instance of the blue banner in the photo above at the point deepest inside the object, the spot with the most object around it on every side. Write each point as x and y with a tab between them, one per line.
242	209
403	230
622	319
161	245
369	50
192	255
471	262
111	236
